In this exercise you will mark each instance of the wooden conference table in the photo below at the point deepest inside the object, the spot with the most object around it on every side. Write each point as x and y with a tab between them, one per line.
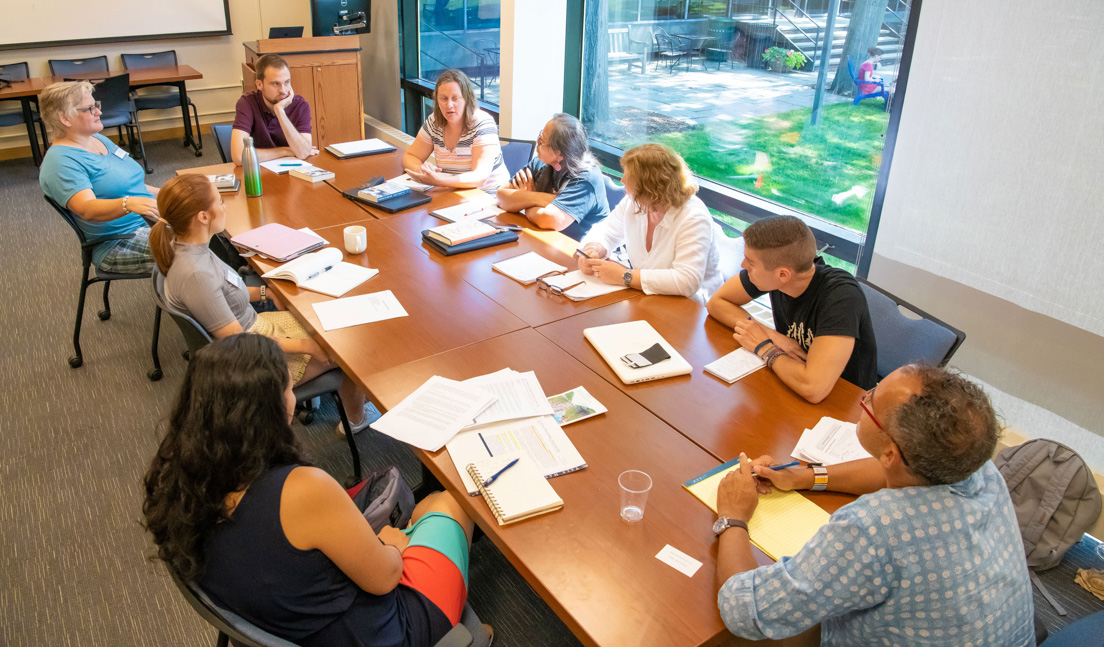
175	75
599	574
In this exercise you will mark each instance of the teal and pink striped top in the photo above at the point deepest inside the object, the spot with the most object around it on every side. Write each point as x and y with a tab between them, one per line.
483	132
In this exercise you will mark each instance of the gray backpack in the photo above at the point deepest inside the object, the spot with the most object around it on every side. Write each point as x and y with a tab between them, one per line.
1055	497
385	499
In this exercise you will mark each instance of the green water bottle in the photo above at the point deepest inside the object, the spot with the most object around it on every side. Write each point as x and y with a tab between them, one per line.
252	169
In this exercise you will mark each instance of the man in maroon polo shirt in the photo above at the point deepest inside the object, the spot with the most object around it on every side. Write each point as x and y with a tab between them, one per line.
275	117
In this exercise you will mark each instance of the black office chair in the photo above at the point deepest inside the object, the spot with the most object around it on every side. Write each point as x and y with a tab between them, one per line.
328	383
70	66
20	72
233	629
222	140
904	340
516	153
106	278
168	96
118	111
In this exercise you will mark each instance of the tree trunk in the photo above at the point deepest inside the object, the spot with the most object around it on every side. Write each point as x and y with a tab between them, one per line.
862	33
595	81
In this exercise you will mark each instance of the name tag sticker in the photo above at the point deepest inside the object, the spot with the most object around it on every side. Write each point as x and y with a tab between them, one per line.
233	278
121	154
678	560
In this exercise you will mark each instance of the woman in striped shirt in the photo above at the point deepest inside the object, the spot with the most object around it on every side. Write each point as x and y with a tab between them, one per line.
462	138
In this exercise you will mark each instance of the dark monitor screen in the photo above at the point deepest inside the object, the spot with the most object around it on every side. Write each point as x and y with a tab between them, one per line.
341	17
285	32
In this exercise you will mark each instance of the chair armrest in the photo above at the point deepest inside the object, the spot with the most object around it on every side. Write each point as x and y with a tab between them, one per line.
458	636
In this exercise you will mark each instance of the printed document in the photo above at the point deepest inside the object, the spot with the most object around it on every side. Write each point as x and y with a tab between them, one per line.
540	438
518	395
831	441
361	309
431	415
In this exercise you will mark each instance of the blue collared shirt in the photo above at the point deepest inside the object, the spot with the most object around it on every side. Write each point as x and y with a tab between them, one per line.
939	565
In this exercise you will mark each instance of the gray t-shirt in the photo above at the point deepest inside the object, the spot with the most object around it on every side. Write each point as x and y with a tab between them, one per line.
583	196
207	289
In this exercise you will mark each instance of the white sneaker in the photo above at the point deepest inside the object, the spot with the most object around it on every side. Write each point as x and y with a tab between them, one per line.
371	414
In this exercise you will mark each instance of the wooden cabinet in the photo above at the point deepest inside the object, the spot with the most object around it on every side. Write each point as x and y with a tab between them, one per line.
326	72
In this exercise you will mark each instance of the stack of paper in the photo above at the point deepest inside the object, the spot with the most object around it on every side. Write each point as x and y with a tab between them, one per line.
359	148
431	415
517	395
466	211
737	364
831	441
526	268
539	438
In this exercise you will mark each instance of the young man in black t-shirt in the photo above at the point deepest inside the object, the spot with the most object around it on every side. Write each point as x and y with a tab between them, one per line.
823	330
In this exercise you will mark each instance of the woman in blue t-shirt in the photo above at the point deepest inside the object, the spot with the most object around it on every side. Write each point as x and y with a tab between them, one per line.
562	188
96	179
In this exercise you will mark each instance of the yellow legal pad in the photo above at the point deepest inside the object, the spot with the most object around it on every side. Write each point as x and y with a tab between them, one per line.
783	521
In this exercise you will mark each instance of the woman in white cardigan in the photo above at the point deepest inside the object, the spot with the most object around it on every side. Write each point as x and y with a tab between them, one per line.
666	230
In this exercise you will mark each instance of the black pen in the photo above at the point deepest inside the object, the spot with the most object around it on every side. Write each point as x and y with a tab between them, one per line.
319	273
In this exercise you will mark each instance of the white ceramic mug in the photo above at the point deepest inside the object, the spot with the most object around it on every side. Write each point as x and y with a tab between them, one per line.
356	239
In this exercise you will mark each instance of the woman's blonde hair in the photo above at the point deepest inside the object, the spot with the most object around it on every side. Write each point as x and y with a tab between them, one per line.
62	100
179	200
659	176
461	79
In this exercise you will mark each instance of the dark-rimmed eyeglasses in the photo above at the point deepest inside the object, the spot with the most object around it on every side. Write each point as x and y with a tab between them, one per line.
867	404
543	284
94	106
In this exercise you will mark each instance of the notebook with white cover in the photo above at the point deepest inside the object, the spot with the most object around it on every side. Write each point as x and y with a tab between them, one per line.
590	285
461	232
617	340
518	493
736	365
323	272
359	148
466	211
527	267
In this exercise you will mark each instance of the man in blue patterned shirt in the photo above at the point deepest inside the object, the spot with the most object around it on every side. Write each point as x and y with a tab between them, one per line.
930	553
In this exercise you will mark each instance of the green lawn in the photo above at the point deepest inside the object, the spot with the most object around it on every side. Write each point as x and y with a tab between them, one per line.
794	163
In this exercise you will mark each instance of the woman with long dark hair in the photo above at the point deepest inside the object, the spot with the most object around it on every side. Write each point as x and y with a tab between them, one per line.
562	187
233	505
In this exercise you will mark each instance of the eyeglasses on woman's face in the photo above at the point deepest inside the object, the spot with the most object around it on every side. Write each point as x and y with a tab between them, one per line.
88	110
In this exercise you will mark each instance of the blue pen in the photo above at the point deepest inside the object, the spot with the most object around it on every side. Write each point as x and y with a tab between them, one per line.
782	467
499	472
293	164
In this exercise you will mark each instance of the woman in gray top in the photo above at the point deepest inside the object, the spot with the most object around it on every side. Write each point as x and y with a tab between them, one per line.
211	292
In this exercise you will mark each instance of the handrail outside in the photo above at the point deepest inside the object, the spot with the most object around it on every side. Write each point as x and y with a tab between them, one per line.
816	41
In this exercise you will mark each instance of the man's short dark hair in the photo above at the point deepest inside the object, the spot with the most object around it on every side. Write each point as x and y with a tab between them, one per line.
783	241
269	60
948	430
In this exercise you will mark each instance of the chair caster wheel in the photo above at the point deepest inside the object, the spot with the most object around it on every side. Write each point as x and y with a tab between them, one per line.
187	355
75	362
307	418
199	153
154	374
104	315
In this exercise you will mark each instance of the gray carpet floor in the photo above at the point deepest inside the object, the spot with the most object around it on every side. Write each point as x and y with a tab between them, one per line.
75	564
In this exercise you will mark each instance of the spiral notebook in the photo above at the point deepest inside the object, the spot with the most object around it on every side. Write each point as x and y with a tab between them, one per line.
518	493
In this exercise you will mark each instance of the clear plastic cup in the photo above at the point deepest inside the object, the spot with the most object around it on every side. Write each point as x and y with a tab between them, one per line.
635	486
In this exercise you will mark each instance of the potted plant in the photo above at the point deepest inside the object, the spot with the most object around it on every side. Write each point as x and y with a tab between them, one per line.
780	59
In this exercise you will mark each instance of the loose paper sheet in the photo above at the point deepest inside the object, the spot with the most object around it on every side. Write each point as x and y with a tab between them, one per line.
432	414
830	442
736	365
361	309
518	395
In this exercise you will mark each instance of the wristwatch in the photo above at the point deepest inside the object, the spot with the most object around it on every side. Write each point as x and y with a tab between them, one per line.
724	523
627	277
820	476
263	290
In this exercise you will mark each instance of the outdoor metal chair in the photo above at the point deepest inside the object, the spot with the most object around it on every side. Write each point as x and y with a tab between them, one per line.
71	66
666	49
20	72
222	140
859	96
328	383
904	340
488	57
516	153
87	245
168	96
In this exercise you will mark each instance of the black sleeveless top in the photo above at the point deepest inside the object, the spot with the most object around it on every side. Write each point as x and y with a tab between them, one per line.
300	595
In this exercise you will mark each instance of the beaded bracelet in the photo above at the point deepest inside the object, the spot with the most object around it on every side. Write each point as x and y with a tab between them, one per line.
774	356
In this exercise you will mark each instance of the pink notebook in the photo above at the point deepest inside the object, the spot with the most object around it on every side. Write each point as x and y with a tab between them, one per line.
277	242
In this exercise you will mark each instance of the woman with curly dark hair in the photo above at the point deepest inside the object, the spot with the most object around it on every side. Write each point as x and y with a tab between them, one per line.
233	506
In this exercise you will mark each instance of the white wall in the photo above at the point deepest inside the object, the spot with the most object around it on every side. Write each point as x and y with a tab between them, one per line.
219	59
532	65
993	216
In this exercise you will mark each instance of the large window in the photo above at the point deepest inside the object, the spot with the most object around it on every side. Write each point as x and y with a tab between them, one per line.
743	90
461	34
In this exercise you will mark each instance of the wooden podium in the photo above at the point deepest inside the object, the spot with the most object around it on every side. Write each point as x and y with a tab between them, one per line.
325	71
